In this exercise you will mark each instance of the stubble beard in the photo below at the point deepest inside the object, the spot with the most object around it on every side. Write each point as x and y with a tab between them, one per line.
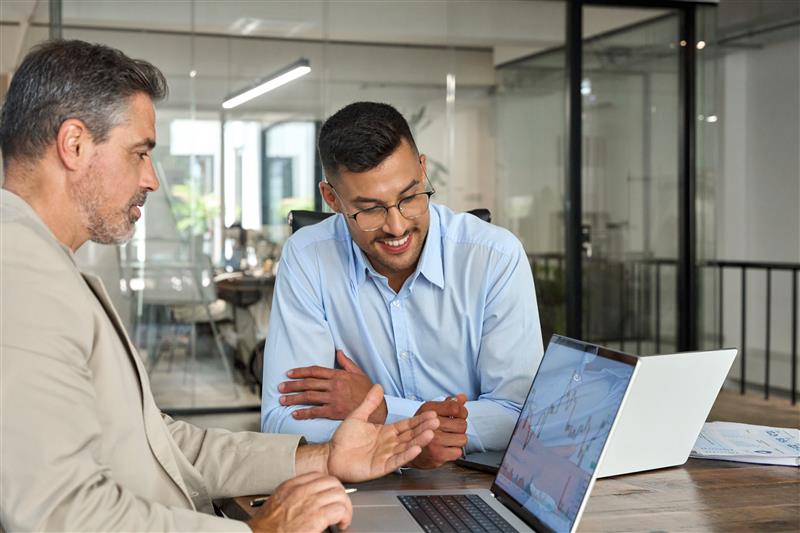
105	226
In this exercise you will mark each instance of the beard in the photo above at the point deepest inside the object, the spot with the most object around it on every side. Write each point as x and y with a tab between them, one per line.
105	223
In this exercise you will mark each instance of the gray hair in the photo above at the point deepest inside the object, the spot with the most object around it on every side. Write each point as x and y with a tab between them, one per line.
59	80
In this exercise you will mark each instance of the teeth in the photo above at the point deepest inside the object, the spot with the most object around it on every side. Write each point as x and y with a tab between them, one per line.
397	243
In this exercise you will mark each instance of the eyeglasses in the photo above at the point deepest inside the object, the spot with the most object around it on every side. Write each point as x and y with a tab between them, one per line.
373	218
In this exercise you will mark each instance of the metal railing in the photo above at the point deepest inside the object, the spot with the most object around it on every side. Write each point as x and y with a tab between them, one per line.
634	315
768	269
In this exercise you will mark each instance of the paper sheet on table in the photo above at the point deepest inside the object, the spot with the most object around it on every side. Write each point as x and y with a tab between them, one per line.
747	443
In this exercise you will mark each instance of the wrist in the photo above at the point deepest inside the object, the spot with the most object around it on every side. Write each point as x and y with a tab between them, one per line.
312	458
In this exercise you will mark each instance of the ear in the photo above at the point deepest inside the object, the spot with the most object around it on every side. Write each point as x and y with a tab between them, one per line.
328	195
424	162
73	143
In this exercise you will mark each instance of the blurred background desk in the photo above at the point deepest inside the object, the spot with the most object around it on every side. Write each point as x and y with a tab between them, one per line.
250	297
702	495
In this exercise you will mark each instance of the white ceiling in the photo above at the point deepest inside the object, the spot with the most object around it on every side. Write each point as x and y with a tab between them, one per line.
464	37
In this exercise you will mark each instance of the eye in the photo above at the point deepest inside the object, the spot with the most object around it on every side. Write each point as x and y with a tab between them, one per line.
143	155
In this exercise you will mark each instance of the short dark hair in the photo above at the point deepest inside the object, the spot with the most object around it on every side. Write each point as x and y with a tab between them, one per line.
360	136
59	80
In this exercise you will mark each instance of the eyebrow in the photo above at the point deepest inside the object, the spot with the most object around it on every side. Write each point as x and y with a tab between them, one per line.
147	143
363	200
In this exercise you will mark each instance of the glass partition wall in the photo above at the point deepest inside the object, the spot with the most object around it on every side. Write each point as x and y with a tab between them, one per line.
485	86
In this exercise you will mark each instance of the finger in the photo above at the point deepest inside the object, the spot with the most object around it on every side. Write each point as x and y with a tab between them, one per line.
305	384
347	364
315	371
443	454
425	418
447	408
449	440
306	398
453	425
422	439
311	413
371	402
403	457
337	513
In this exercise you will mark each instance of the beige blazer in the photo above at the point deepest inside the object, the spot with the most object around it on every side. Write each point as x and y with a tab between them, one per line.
83	446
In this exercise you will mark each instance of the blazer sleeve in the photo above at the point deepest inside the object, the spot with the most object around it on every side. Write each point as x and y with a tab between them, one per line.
233	464
49	441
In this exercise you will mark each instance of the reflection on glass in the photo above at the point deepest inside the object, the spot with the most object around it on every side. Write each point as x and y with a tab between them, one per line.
630	184
561	432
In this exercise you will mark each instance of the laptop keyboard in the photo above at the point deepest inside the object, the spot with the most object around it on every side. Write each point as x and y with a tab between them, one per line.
456	513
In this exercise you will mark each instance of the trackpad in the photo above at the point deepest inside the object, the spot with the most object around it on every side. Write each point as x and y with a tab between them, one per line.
388	518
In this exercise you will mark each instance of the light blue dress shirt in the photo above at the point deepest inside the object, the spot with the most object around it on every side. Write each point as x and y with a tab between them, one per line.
465	321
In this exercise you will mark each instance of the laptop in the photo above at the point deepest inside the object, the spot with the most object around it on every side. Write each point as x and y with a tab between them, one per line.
670	399
549	468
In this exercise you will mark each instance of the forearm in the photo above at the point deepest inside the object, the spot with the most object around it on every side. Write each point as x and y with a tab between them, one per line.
236	463
312	458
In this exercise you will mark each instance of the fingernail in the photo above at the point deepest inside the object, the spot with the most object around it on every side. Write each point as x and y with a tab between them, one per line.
290	373
295	414
282	400
281	387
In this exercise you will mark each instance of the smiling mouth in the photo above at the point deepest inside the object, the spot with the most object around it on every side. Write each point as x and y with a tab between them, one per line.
396	246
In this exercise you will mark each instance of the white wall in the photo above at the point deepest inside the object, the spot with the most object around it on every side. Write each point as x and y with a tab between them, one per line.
758	192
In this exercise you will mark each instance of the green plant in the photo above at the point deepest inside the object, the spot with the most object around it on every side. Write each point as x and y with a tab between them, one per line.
193	211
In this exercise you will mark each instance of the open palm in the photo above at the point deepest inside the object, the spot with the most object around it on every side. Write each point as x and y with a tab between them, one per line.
360	450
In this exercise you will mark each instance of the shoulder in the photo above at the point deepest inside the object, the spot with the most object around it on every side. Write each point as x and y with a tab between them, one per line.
320	244
466	231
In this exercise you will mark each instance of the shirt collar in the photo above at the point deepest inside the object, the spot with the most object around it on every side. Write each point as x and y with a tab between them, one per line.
430	261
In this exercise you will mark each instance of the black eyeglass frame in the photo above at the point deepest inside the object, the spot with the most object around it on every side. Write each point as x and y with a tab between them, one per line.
386	208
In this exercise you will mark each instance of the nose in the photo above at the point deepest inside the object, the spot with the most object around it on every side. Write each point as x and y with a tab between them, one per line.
395	223
149	179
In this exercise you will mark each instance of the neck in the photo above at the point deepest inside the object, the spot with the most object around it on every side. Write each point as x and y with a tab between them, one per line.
45	189
396	279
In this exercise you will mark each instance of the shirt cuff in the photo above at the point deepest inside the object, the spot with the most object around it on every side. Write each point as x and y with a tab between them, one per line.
399	408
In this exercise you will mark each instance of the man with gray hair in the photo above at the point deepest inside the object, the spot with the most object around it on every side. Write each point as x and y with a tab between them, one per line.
83	445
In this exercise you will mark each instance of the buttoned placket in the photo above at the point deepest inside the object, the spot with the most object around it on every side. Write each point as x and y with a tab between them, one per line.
403	353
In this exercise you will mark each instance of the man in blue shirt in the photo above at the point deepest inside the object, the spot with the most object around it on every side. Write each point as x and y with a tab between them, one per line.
437	307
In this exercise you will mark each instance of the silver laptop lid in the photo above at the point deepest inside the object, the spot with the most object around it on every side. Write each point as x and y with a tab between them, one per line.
551	460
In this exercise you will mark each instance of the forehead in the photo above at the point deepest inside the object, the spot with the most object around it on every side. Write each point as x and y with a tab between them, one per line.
138	118
386	180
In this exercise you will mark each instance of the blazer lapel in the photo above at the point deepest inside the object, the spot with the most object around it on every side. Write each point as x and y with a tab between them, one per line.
157	434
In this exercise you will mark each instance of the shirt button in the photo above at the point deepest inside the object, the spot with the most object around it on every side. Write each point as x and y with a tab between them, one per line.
404	355
395	304
195	494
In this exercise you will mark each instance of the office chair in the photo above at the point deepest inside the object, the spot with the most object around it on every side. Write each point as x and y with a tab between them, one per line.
299	219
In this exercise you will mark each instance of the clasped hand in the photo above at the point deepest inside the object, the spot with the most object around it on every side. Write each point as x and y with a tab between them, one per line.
450	438
334	393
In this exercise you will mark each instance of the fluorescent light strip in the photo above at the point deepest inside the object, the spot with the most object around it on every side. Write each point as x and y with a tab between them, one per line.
267	86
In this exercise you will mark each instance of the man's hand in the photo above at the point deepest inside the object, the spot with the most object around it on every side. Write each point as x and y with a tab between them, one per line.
450	438
310	502
336	393
360	450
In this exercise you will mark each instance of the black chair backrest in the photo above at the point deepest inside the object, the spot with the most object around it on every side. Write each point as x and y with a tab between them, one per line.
299	219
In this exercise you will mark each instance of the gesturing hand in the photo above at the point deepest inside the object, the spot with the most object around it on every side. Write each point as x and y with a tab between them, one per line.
360	450
450	438
310	502
335	393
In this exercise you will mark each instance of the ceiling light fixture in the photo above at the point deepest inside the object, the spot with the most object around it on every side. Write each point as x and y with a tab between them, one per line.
273	81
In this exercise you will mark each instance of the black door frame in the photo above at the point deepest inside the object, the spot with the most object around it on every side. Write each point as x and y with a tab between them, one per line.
687	284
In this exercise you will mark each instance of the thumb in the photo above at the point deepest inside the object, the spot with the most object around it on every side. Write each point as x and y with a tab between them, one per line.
346	363
371	402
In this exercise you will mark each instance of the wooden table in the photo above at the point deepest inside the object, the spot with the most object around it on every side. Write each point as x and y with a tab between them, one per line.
702	495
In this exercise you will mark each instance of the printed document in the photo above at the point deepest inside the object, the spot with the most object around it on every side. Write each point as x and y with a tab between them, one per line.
729	441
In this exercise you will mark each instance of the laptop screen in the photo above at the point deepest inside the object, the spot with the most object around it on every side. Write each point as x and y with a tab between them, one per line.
562	430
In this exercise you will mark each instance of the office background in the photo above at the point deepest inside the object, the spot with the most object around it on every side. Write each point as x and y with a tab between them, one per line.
687	233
